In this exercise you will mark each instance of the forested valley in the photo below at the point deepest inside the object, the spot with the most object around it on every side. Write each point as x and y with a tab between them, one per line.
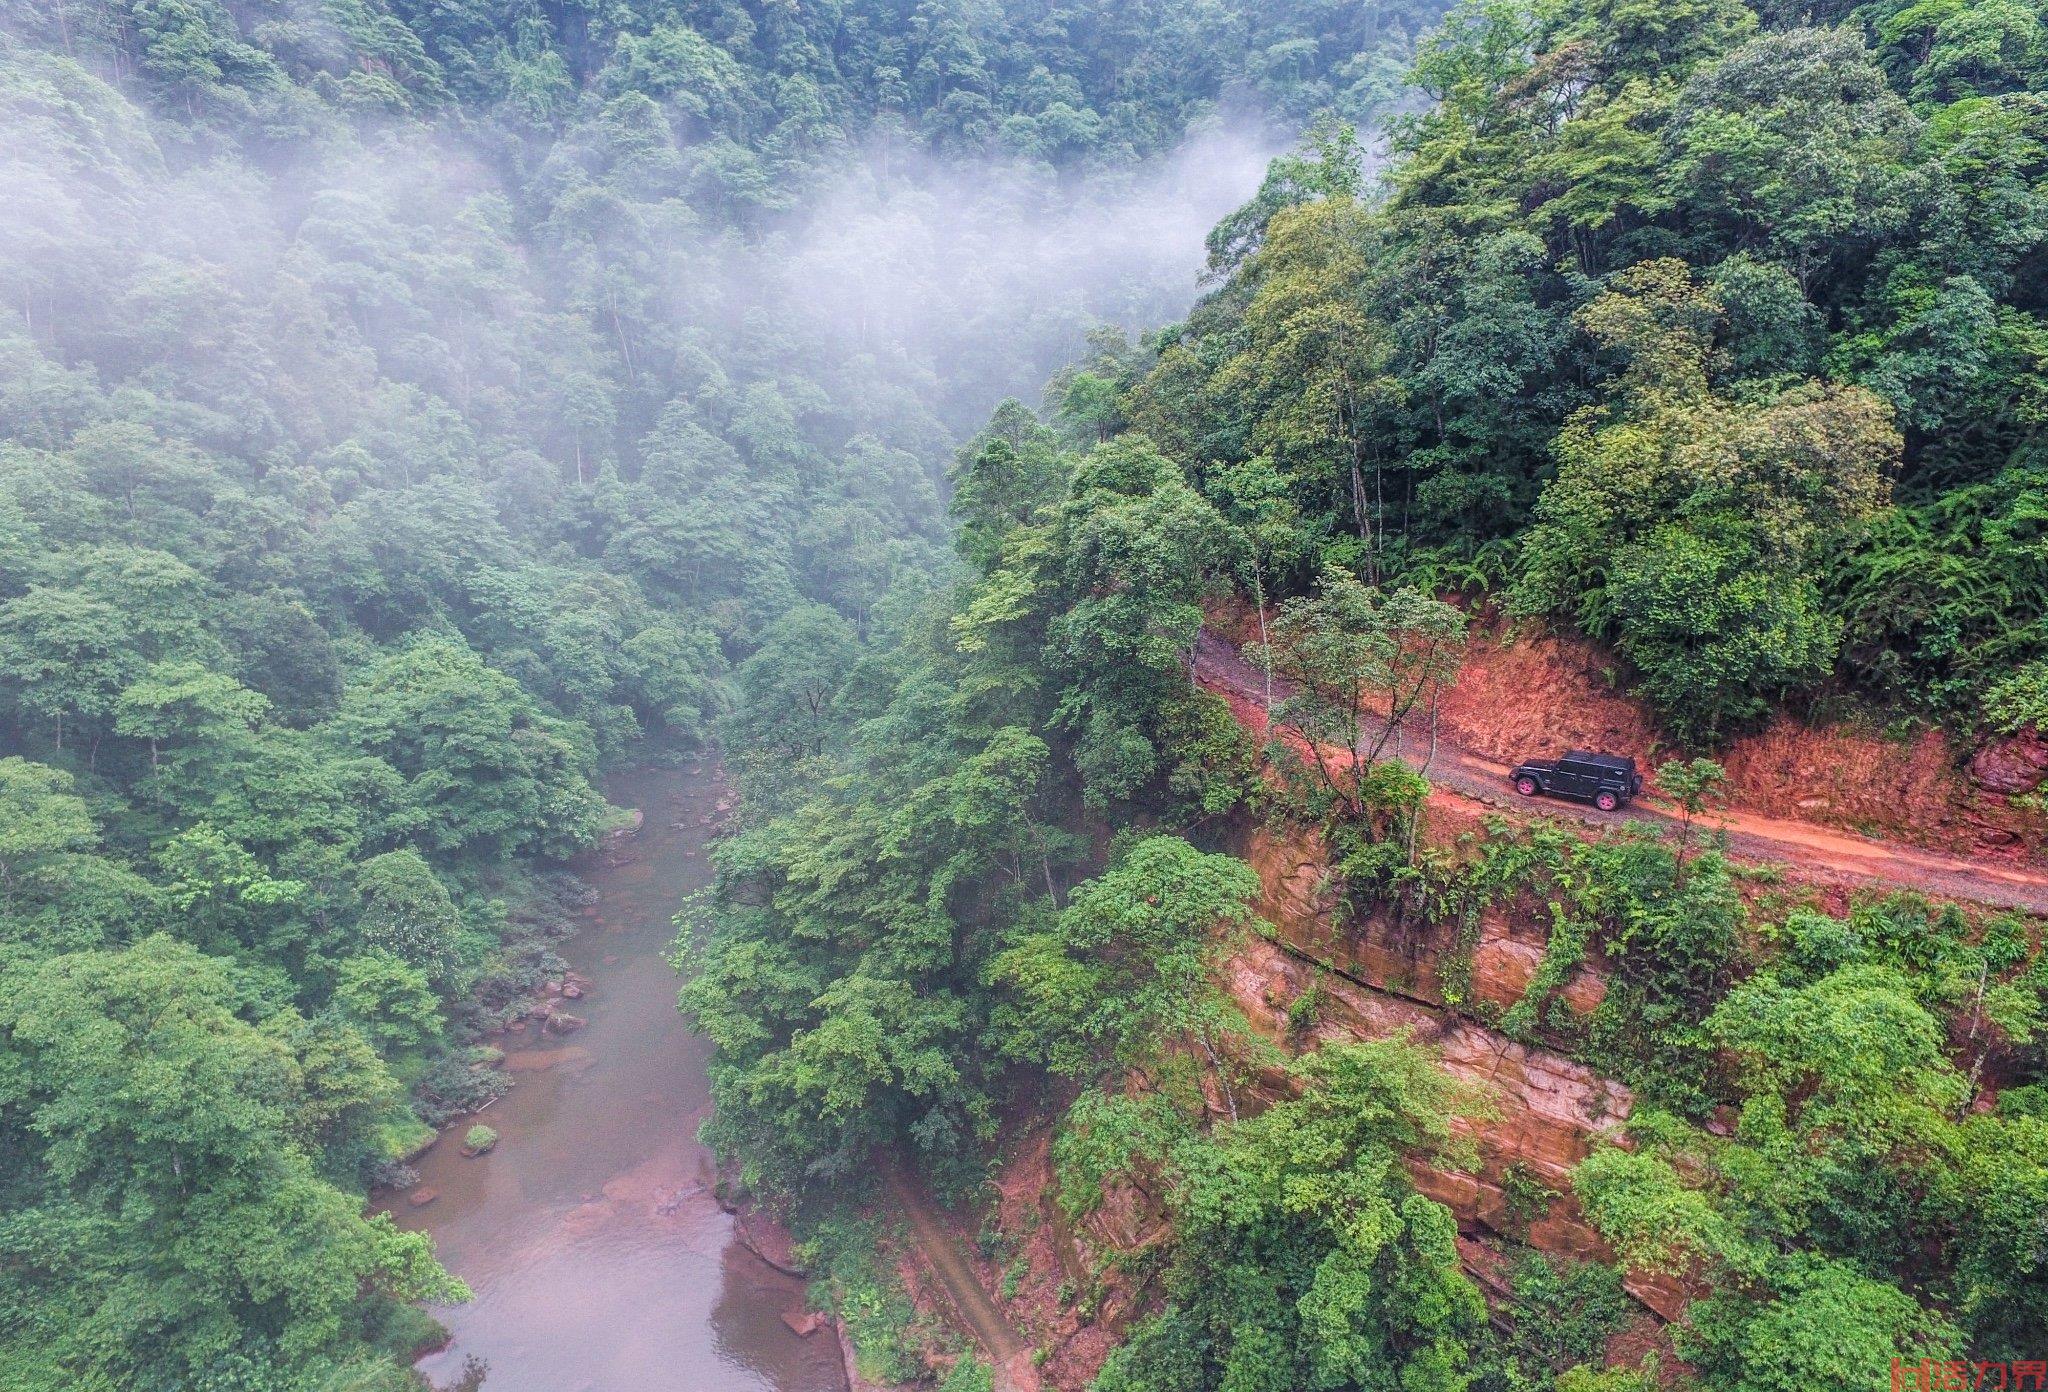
410	411
407	411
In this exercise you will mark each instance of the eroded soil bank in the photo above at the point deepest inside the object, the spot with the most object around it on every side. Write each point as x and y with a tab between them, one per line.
599	1258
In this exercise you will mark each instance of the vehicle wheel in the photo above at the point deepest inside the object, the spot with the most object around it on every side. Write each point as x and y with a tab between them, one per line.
1526	786
1606	802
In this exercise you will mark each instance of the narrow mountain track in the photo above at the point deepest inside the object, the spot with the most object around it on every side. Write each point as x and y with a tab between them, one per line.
1820	851
975	1313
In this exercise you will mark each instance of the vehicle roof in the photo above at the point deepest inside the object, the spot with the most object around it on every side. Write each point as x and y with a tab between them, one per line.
1587	756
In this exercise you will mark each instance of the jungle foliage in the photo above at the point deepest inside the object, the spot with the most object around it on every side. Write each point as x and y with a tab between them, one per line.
398	421
400	418
1713	332
1717	337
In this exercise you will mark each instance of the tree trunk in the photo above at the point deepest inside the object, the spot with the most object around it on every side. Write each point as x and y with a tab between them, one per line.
1216	1066
1265	643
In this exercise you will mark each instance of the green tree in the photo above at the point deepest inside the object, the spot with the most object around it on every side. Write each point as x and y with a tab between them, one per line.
149	1106
1302	1257
1688	526
65	656
1695	785
784	692
1364	664
1124	968
387	999
182	701
406	911
40	816
484	769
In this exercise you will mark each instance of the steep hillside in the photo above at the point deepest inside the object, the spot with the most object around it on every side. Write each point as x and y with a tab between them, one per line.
1703	351
1539	1095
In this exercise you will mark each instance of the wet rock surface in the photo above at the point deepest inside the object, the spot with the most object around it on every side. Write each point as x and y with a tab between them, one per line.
1542	1112
2012	766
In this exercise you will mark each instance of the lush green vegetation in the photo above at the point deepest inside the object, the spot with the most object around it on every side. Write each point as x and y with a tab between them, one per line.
1303	1258
1716	337
407	408
404	409
1713	332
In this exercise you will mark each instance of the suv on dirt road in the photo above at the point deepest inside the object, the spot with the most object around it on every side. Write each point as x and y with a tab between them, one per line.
1607	781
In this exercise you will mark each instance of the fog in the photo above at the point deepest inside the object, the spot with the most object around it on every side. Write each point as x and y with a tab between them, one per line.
287	305
959	281
984	276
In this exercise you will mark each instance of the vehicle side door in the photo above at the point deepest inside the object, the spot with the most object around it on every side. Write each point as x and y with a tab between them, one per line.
1575	780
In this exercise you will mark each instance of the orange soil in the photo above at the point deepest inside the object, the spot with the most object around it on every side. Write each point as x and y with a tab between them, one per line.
1458	769
1524	692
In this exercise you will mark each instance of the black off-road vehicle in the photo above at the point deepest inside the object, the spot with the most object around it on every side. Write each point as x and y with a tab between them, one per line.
1607	781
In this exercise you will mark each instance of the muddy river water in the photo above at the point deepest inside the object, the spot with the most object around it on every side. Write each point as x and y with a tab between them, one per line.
599	1260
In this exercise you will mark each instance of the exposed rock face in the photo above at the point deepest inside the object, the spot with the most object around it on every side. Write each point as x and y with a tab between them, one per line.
1550	1109
2012	766
1539	1113
1524	694
754	1227
763	1235
1071	1266
1404	959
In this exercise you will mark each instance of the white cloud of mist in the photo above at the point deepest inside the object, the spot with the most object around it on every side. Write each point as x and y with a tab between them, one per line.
983	277
912	291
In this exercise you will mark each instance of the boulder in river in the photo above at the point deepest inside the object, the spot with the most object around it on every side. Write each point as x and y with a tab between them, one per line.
424	1195
562	1022
761	1234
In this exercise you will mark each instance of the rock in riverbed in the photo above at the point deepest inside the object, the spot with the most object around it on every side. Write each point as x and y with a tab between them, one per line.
804	1323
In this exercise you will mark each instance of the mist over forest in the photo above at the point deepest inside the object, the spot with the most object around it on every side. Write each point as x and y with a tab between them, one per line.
1058	461
983	278
408	413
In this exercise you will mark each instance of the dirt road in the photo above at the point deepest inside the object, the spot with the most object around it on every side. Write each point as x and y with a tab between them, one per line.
976	1315
1819	852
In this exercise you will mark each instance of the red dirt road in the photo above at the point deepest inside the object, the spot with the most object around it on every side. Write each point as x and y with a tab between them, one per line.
1818	852
974	1312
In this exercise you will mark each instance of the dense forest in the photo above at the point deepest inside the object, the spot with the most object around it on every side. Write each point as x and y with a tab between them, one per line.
408	411
1709	332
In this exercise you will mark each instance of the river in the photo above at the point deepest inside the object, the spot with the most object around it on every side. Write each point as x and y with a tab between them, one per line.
599	1259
